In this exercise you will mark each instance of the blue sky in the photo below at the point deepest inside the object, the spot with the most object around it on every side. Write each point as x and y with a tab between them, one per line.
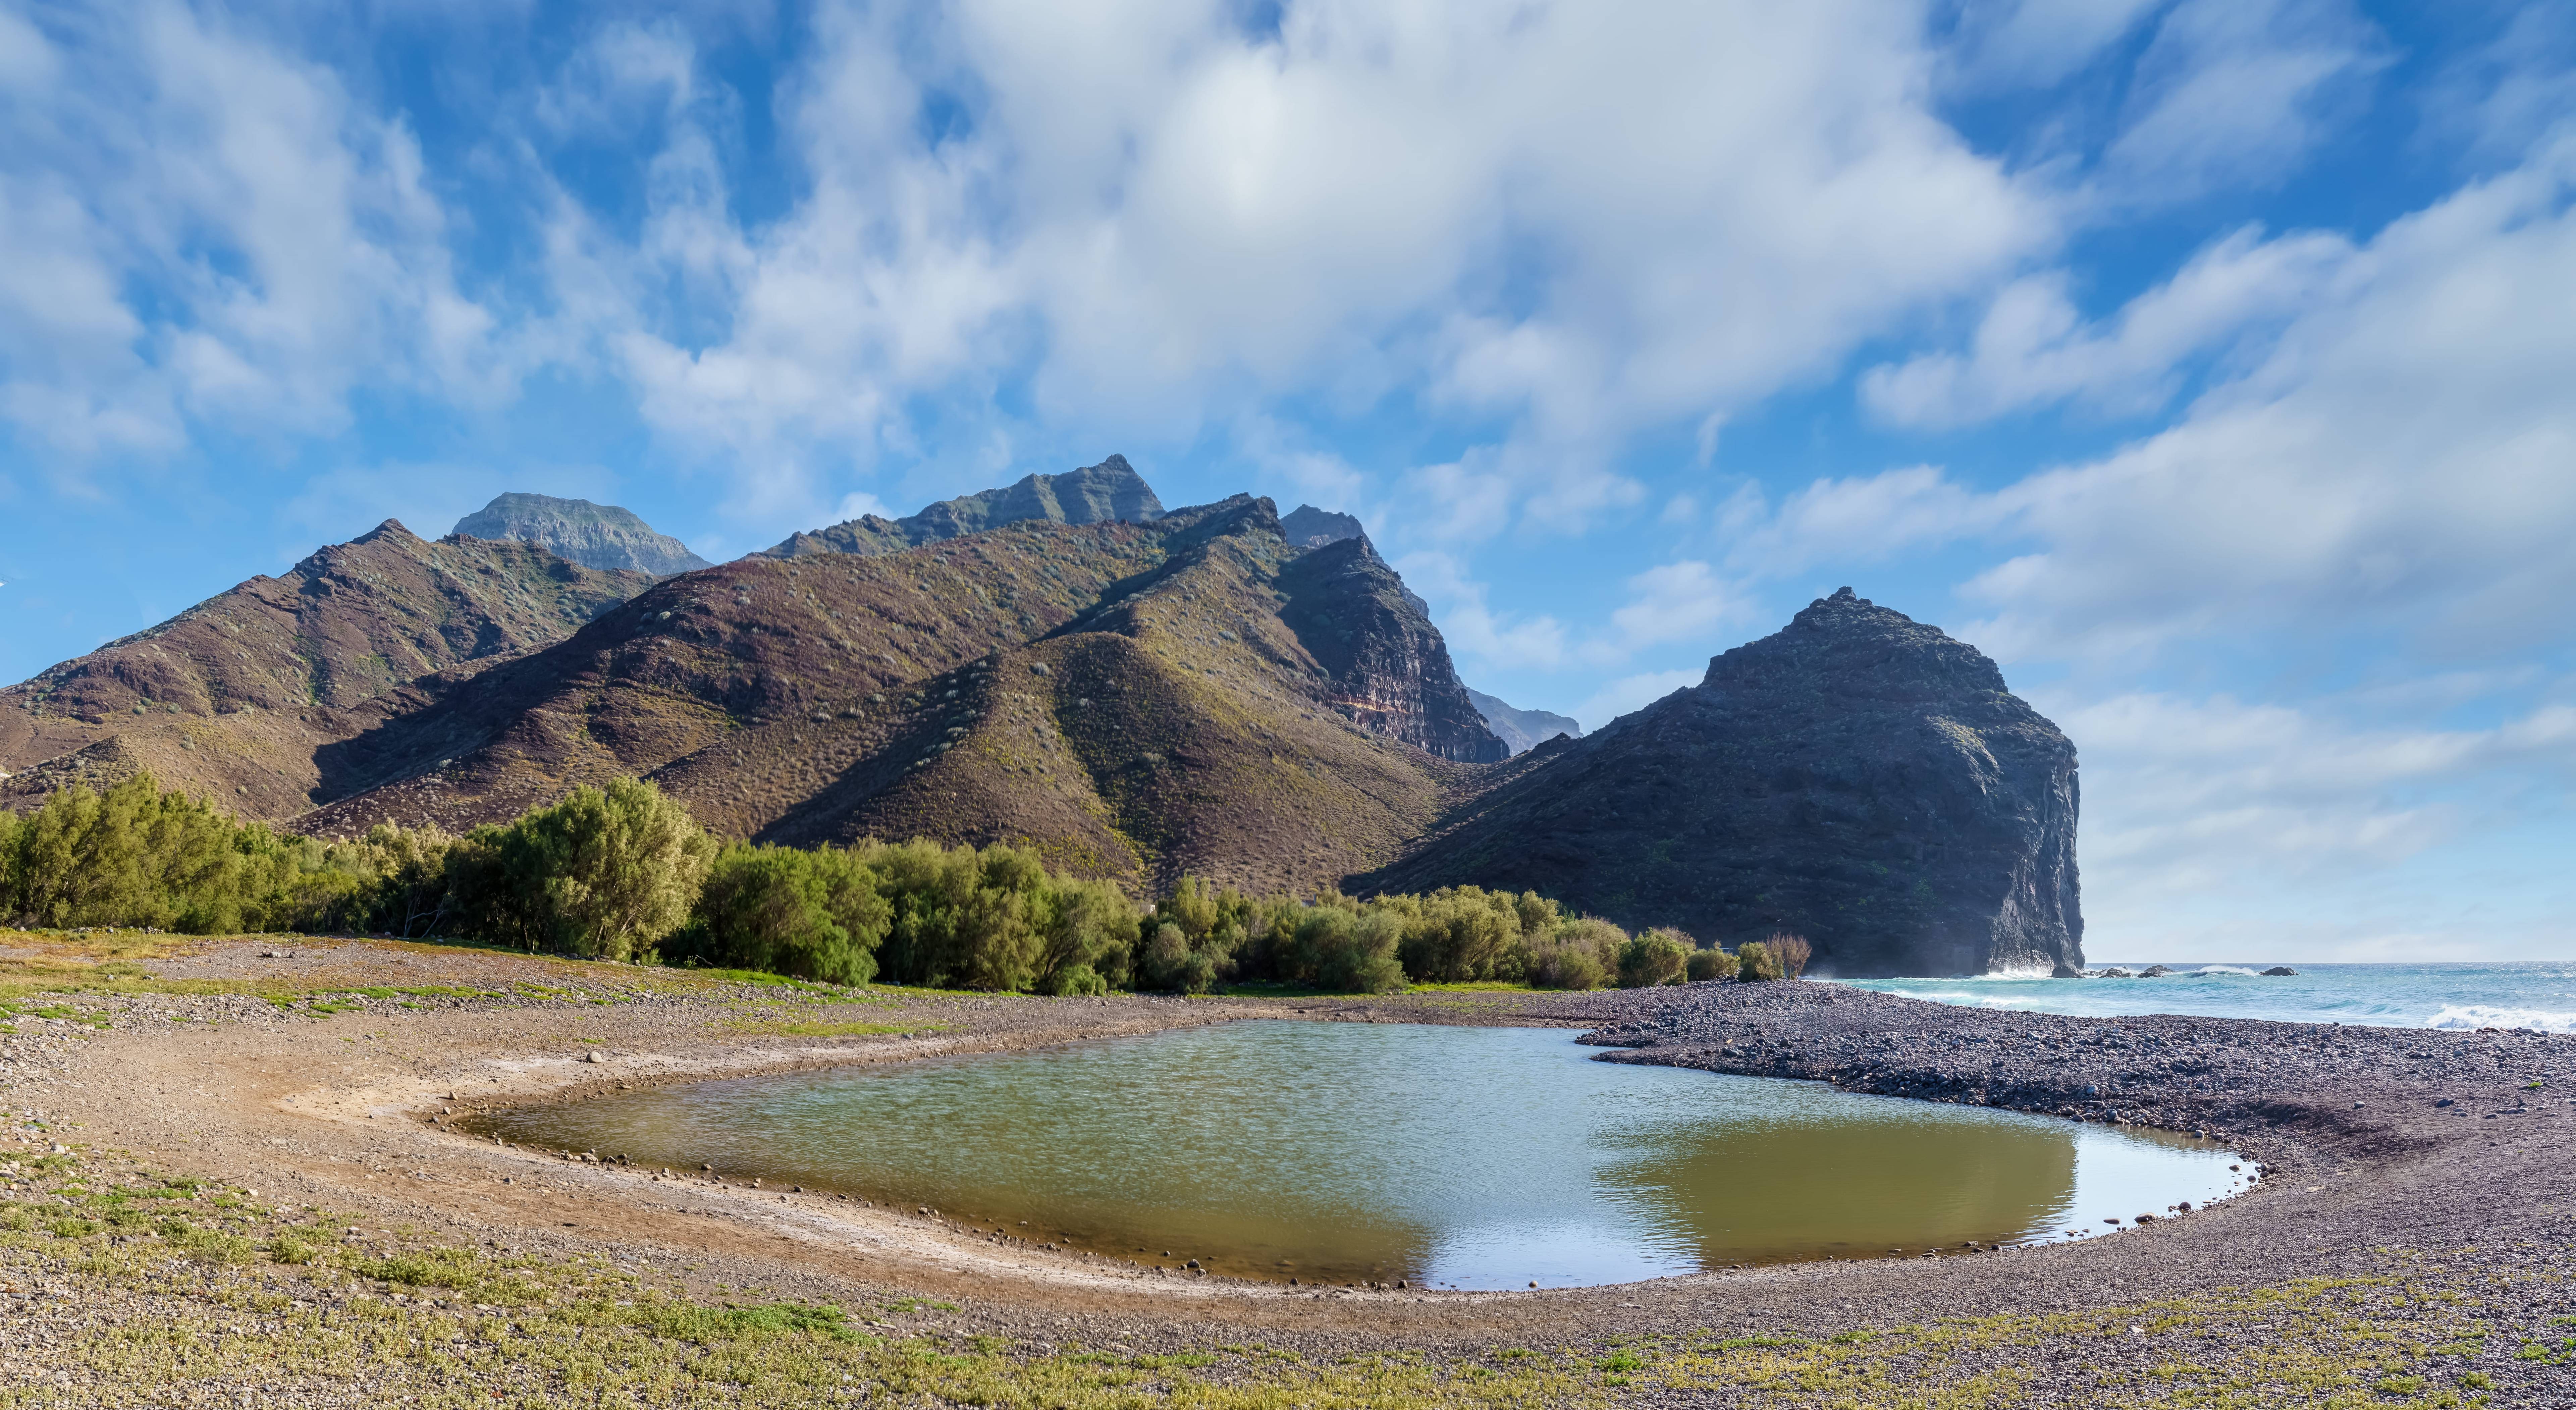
2210	363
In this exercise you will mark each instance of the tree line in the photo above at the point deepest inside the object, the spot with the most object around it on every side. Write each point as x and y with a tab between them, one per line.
624	873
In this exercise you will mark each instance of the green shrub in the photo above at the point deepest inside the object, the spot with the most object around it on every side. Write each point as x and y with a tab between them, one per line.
1168	963
1755	963
815	915
1074	979
1789	952
1344	951
137	856
1711	963
1654	958
604	874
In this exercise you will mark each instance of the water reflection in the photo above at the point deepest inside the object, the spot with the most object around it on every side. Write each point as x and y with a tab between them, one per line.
1336	1152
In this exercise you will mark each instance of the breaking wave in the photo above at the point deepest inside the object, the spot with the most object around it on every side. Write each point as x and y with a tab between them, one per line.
2489	1016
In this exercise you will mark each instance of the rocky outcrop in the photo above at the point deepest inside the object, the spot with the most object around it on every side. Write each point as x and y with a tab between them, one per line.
1391	670
593	535
1859	778
1309	527
1522	730
1109	492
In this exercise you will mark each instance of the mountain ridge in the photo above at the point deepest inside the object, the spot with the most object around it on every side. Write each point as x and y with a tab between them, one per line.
1093	494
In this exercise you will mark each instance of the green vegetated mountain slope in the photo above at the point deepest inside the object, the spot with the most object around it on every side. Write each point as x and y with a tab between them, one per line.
1858	777
1095	494
1136	700
235	696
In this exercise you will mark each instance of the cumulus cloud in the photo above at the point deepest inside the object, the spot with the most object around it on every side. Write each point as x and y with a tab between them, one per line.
2398	459
2203	816
2033	349
2039	43
1157	219
196	229
2237	91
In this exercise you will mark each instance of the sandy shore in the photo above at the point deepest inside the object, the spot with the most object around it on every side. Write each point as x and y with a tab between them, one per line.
2409	1157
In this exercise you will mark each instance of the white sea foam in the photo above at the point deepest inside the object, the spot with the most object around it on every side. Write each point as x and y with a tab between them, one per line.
2489	1016
2226	969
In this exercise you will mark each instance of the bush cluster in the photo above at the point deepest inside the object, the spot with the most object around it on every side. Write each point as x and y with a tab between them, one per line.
623	873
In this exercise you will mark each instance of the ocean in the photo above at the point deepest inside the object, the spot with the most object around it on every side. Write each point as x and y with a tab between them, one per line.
2536	994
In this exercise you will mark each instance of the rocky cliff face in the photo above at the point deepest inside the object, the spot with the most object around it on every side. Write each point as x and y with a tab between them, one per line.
1522	730
1109	492
1859	778
593	535
1391	670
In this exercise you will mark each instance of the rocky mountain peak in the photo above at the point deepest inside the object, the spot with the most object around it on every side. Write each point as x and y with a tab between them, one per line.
601	536
1858	777
1858	649
1109	492
1309	527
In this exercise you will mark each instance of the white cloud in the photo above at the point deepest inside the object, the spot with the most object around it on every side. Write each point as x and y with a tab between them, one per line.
1162	220
1855	520
2032	348
1677	602
2397	460
2040	42
195	227
2236	91
2200	815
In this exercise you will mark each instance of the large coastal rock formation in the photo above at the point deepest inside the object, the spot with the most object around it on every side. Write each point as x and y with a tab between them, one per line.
593	535
1859	778
235	696
1522	730
1109	492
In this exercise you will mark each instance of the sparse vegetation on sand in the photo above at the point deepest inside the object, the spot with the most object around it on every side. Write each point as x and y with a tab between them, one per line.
625	873
166	1289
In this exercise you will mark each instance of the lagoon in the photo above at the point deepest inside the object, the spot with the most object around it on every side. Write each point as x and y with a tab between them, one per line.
1368	1152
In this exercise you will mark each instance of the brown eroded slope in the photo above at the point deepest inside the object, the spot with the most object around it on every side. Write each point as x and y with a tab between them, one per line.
1137	700
236	695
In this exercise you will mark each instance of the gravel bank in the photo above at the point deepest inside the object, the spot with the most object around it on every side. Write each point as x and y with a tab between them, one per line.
2419	1210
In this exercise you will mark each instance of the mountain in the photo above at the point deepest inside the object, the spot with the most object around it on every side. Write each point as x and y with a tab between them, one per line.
1521	730
1110	491
1135	699
1859	778
592	535
235	695
1310	527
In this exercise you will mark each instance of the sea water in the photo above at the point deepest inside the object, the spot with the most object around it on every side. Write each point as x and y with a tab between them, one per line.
2535	994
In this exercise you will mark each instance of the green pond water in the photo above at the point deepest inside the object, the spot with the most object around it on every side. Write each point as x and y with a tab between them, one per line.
1452	1157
